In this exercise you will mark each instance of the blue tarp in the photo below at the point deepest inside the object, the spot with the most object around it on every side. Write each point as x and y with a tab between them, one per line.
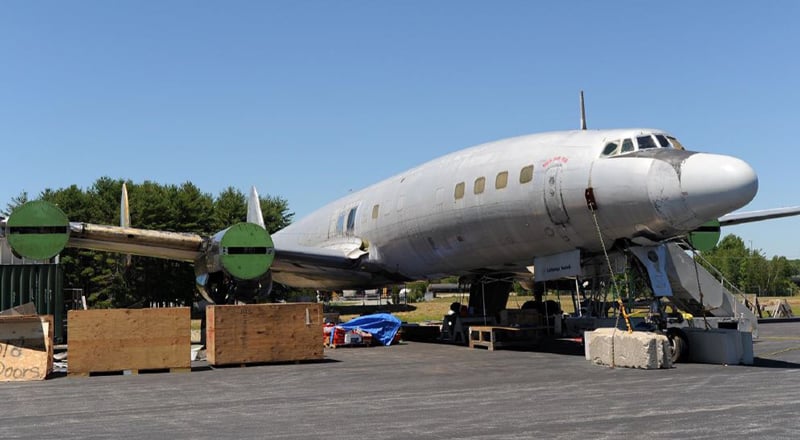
382	326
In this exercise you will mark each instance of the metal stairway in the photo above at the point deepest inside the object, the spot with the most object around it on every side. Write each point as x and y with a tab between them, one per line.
707	297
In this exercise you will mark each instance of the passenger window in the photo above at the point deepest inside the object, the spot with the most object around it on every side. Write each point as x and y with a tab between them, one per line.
501	181
526	174
351	220
662	141
627	146
646	142
611	148
340	224
480	185
459	192
375	211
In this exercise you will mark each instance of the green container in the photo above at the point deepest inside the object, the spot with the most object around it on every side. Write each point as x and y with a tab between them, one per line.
41	284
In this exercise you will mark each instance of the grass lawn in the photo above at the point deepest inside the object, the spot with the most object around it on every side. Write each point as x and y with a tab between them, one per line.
434	310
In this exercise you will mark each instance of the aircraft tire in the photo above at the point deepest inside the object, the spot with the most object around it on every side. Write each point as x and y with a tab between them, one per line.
679	345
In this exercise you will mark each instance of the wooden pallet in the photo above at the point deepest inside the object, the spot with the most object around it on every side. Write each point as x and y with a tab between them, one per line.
493	337
262	364
334	346
132	372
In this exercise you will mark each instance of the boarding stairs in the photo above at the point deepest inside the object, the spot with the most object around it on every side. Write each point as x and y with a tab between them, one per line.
709	297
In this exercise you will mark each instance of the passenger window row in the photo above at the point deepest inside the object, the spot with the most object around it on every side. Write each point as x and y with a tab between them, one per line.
500	182
479	187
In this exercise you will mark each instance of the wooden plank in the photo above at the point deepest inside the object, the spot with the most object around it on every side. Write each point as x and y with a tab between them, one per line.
26	347
263	333
128	339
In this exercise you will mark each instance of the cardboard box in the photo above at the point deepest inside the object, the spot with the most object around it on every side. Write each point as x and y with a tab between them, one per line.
26	347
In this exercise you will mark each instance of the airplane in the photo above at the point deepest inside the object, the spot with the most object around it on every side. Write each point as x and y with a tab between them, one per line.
488	213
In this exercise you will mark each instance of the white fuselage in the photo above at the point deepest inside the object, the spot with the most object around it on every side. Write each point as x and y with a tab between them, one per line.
496	206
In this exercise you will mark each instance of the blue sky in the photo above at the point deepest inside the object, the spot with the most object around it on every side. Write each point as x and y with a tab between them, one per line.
308	100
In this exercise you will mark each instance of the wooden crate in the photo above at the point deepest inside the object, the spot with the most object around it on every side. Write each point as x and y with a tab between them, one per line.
26	347
128	339
263	333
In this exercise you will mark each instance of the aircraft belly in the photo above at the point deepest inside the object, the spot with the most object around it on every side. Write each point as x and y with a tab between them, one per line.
502	241
328	279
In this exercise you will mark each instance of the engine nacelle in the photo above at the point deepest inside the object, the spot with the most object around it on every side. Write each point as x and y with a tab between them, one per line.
235	264
37	230
244	251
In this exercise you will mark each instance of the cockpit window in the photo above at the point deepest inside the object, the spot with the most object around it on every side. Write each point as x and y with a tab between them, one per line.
643	142
611	148
627	146
646	142
675	143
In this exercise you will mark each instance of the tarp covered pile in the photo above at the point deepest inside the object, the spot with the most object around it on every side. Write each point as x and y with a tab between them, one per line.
382	326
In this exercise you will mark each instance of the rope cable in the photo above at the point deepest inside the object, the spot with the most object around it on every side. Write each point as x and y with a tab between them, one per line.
699	287
611	275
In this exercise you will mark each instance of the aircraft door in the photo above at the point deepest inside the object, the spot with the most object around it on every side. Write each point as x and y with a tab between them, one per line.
553	200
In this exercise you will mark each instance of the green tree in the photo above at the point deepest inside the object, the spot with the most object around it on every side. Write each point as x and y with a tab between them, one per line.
21	199
230	208
276	213
749	270
729	257
193	210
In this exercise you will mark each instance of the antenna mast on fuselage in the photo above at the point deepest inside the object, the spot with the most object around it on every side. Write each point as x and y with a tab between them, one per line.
583	113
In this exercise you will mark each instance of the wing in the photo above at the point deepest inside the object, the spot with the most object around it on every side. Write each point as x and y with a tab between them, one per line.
754	216
39	230
143	242
191	247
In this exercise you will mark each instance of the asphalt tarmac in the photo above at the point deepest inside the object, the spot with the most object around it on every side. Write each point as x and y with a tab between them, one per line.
425	391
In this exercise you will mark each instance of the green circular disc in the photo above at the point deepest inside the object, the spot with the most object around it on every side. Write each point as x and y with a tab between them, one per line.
246	251
705	237
38	230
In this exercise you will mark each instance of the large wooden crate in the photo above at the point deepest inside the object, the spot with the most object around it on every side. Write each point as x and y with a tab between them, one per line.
26	347
128	339
263	333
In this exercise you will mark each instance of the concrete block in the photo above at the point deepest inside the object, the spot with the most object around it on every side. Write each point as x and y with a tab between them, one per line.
608	346
720	346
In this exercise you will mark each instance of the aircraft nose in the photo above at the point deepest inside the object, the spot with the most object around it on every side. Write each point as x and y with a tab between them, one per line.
714	184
